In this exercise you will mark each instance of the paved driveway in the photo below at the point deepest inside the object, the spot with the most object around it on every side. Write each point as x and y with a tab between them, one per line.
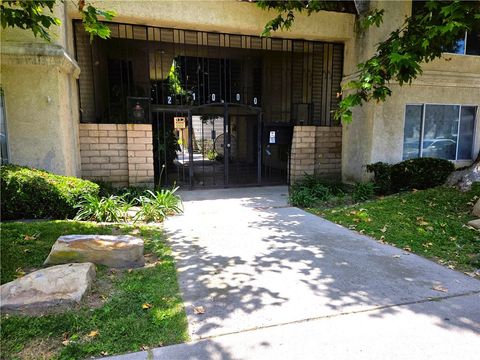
278	282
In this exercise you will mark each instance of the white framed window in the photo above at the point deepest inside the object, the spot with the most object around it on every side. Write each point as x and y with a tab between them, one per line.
469	44
439	131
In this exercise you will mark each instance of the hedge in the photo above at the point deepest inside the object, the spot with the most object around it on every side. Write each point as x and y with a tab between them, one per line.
420	173
37	194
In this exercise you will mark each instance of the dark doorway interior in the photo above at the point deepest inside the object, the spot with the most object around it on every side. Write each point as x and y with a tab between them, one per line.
221	146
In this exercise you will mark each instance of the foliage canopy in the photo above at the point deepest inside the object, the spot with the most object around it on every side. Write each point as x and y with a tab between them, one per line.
422	37
38	16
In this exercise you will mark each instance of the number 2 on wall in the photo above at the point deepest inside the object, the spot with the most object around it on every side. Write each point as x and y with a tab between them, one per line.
169	100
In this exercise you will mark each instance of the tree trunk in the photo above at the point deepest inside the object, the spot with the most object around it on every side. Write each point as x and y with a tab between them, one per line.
464	179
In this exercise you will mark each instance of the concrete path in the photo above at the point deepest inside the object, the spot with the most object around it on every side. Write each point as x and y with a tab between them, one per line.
279	283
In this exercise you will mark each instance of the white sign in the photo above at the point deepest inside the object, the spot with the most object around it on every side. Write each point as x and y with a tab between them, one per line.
180	122
272	137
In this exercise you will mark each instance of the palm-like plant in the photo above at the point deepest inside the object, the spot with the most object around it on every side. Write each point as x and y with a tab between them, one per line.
106	209
156	206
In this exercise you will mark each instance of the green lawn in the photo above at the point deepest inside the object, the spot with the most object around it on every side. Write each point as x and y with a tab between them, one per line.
126	310
431	223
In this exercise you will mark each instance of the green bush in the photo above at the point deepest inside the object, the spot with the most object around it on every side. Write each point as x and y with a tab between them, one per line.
381	177
38	194
105	188
156	206
302	196
363	191
106	209
420	173
312	189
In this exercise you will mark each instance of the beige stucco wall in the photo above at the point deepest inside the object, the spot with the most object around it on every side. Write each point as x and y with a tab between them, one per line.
44	133
39	82
376	132
230	16
41	114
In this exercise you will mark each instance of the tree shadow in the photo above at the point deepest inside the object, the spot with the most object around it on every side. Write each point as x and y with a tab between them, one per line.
250	265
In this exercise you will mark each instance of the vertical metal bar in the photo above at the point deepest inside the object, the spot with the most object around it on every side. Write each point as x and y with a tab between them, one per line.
93	83
190	148
159	162
226	144
214	146
165	164
203	151
259	147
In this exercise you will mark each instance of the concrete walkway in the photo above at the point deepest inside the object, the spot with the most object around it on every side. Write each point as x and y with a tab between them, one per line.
279	283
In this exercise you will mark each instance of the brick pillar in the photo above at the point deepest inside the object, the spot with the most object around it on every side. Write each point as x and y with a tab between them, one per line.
302	159
328	164
103	151
140	155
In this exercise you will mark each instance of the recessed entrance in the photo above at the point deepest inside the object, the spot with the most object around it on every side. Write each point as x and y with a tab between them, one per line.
218	145
236	98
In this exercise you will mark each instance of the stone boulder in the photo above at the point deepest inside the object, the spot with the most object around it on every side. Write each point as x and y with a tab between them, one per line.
474	223
464	179
476	209
53	287
119	251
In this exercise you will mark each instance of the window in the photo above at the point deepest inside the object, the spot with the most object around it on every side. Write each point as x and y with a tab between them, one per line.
467	44
439	131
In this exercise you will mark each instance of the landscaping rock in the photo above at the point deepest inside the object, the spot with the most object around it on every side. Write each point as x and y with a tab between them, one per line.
475	223
118	251
464	179
476	209
61	285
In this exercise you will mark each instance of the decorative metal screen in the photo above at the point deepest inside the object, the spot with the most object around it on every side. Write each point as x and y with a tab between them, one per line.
293	81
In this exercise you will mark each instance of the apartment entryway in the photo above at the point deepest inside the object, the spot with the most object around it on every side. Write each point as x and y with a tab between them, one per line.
218	145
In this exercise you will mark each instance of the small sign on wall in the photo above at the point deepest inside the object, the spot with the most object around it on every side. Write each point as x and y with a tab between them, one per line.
272	137
180	122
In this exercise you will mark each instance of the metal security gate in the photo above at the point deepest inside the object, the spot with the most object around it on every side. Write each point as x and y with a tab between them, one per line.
147	74
219	146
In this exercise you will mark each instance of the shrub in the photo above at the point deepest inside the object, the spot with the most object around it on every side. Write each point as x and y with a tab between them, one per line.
105	188
363	191
312	189
302	196
129	193
381	177
106	209
38	194
157	206
420	173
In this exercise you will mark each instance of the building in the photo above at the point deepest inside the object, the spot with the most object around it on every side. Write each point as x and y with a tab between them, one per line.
186	92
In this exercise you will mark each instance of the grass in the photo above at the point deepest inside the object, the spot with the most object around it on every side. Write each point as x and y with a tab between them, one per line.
431	223
126	310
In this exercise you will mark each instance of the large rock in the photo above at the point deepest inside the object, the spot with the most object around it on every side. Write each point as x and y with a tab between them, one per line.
110	250
474	223
476	209
60	285
464	179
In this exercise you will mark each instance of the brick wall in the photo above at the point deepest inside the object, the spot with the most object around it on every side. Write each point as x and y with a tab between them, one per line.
328	152
316	150
117	153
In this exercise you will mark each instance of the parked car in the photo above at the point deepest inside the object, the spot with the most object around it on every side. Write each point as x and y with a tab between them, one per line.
439	148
